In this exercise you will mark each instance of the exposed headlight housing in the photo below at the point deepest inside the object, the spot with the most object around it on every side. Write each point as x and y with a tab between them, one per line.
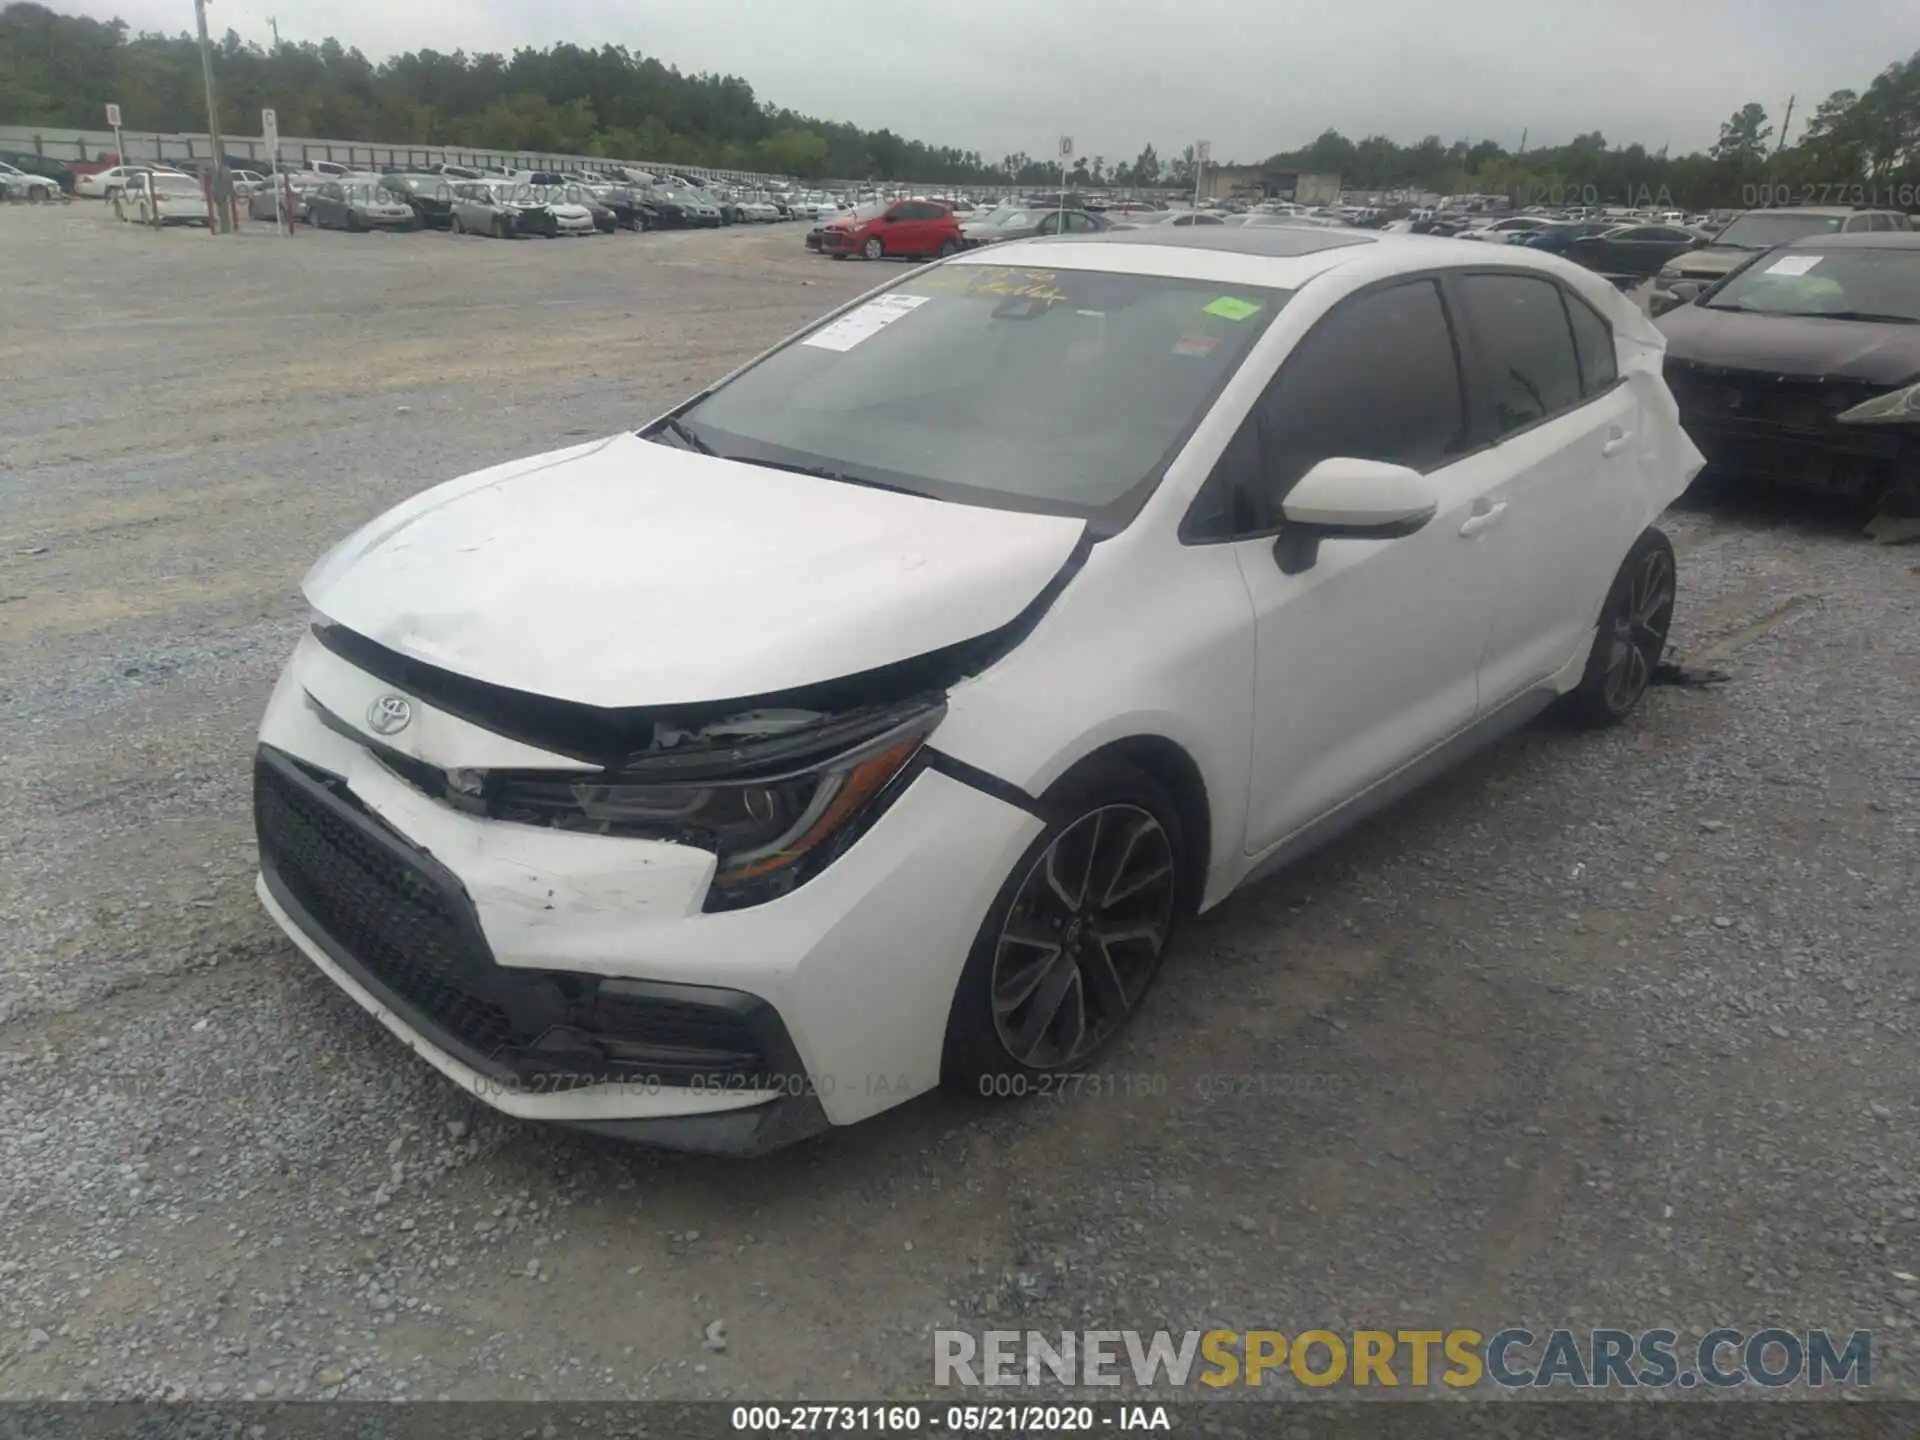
1899	407
774	811
1669	272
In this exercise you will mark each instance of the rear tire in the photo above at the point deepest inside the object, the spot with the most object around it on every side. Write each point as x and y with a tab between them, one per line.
1630	639
1075	937
948	247
454	227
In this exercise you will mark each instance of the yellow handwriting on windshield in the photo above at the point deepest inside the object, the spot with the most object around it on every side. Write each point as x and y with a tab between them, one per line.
1024	284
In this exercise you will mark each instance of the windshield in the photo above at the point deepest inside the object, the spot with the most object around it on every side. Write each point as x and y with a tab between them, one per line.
1878	284
1064	391
1763	231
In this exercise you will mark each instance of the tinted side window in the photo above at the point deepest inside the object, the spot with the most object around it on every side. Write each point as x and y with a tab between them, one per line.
1377	379
1526	345
1593	346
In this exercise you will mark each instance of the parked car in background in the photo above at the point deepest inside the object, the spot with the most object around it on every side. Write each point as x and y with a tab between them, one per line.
1182	219
632	207
430	194
25	162
1504	231
358	204
105	184
1803	367
911	228
443	169
684	209
549	213
163	199
261	201
1753	231
485	208
1629	252
604	219
1017	223
18	184
1259	221
1554	238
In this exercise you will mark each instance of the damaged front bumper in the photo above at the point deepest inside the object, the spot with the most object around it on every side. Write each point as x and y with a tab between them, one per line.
578	978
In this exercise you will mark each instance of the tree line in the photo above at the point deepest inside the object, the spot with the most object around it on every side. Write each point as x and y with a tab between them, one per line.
61	70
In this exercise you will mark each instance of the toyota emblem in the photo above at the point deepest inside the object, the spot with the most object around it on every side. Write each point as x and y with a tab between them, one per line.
389	715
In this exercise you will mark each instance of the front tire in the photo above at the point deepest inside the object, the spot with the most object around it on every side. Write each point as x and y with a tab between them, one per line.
1631	637
873	249
454	227
1075	937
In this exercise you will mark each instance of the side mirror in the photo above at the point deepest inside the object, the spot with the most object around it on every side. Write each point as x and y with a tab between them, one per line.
1343	498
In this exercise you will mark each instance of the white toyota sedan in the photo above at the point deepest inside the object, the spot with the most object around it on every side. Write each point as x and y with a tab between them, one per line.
874	718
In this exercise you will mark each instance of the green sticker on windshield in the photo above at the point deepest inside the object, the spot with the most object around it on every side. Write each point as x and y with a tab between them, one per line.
1228	308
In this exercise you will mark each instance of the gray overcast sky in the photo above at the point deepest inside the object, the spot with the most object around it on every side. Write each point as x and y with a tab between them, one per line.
1252	76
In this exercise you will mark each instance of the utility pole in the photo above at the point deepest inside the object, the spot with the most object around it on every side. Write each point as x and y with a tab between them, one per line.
1780	142
274	25
222	218
1523	143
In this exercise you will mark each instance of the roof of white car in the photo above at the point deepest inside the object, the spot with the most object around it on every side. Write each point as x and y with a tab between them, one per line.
1283	257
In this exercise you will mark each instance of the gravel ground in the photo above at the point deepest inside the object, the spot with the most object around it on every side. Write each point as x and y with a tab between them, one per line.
1612	1030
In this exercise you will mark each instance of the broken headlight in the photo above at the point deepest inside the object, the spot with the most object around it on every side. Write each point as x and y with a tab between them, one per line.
774	809
1901	407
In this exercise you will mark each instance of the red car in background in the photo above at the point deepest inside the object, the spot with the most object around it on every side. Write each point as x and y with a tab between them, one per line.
921	229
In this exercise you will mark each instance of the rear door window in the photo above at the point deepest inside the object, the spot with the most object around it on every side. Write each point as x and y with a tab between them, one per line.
1592	346
1526	348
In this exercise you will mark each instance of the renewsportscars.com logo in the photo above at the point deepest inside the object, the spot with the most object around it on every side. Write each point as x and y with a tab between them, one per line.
1771	1357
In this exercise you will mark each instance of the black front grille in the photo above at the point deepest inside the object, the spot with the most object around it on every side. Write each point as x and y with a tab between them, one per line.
380	906
1792	402
402	925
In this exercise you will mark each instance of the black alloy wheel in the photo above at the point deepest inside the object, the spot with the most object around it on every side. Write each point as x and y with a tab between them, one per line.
1076	935
1631	637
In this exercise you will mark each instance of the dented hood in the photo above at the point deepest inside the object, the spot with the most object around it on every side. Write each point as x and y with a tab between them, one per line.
624	573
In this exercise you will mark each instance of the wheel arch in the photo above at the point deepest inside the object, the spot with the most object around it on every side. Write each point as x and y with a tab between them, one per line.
1169	763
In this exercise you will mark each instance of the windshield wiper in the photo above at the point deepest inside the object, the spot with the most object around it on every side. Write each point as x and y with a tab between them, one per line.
822	472
674	426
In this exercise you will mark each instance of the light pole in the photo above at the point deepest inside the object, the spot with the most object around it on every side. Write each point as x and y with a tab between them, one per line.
222	220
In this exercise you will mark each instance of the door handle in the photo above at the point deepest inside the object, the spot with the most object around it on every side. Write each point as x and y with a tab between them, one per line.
1483	519
1616	441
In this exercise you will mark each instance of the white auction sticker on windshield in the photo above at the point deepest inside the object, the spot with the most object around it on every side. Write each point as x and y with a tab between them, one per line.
869	320
1794	264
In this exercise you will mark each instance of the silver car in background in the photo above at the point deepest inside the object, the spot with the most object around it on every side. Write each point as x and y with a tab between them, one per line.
483	209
